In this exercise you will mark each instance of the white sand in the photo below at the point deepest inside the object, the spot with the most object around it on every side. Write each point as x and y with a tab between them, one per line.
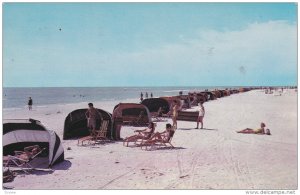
218	158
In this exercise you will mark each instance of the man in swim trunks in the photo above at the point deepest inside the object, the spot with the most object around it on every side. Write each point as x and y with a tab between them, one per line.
92	116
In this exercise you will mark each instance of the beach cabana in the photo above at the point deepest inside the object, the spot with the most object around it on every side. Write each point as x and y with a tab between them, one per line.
185	101
244	90
202	97
217	93
225	93
210	95
171	99
233	91
76	124
153	105
21	133
129	114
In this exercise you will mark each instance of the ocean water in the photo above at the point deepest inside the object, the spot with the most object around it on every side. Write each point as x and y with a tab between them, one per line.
18	97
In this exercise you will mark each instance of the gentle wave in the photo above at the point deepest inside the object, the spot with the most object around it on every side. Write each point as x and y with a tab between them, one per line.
18	97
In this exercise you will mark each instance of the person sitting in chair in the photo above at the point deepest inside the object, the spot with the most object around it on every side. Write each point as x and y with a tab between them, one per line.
28	152
164	136
142	134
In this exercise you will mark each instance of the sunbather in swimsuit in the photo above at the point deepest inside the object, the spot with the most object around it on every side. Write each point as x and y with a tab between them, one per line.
142	134
260	130
164	136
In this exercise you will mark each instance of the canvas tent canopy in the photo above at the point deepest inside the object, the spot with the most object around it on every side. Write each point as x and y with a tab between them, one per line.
202	97
234	91
76	124
153	105
244	89
185	101
210	95
20	133
129	114
217	94
171	100
131	111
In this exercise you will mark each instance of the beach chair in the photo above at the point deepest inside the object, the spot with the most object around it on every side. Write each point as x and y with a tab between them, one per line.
164	142
97	135
22	159
138	138
100	135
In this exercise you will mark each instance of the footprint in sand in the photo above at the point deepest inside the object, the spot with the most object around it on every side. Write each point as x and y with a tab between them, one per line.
183	176
214	169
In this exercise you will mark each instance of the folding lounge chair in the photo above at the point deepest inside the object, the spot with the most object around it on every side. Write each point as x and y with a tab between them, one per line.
99	134
20	162
165	141
138	138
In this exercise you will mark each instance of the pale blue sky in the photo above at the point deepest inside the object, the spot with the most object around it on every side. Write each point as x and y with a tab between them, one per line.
149	44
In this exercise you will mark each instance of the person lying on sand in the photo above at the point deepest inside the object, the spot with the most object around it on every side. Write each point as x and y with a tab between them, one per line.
142	134
260	130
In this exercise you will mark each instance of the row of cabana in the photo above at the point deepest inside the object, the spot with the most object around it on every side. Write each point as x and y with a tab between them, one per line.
76	123
18	134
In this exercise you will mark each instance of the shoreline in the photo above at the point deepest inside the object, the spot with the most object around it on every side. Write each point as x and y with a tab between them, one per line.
25	107
213	158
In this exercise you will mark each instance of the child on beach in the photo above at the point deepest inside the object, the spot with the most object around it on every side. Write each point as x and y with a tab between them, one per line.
201	115
260	130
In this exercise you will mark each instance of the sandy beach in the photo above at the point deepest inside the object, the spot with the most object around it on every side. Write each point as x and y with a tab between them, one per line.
215	157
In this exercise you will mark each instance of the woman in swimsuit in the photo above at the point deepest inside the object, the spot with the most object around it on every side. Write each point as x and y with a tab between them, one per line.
142	134
260	130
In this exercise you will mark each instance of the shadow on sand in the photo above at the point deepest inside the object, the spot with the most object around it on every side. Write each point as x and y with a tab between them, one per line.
189	129
170	148
65	165
98	144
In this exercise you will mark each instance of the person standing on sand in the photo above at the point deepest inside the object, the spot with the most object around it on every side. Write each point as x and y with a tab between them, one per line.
175	114
146	95
91	115
201	115
142	95
30	104
151	95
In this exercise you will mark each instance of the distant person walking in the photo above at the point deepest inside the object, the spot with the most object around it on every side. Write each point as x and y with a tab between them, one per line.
142	96
151	95
92	114
146	95
30	102
201	115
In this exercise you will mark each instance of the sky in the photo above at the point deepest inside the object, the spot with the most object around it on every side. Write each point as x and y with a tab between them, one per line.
149	44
